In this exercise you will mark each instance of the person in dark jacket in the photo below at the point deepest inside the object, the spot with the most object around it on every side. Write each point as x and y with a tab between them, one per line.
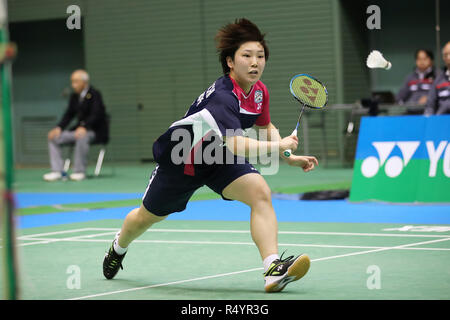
87	108
439	95
418	83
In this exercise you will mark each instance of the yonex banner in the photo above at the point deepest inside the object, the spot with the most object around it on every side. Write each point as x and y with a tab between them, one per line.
403	159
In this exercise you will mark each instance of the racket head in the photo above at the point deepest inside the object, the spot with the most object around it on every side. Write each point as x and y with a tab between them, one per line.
309	91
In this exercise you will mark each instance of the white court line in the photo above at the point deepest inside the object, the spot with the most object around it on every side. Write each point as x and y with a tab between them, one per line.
31	237
167	284
382	249
84	239
40	240
293	232
24	237
254	269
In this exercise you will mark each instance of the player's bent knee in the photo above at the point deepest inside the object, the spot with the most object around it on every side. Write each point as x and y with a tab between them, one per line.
261	196
149	217
249	189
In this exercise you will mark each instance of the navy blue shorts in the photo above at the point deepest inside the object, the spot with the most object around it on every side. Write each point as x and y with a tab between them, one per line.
169	189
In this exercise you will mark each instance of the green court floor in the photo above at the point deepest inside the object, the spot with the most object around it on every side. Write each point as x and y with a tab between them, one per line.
134	178
204	260
218	260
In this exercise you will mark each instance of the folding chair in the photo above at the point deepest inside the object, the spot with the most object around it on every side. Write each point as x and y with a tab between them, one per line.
101	153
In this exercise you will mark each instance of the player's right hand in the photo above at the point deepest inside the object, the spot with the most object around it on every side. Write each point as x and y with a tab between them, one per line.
307	163
54	133
290	142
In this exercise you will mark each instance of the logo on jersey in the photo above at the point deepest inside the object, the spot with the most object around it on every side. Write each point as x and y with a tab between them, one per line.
258	99
258	96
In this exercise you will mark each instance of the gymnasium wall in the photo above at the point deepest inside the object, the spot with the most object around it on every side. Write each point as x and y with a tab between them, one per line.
151	59
47	54
161	59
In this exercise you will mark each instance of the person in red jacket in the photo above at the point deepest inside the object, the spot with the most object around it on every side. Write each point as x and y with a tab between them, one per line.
418	83
438	101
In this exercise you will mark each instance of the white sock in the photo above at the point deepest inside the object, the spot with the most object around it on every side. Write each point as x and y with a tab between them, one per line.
118	249
268	261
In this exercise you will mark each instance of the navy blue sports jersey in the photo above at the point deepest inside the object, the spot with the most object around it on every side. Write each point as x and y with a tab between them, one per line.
222	110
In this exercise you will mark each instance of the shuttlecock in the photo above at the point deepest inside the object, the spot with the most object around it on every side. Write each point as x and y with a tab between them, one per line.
376	60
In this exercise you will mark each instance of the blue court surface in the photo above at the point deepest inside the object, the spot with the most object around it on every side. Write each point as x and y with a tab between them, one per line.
30	199
217	210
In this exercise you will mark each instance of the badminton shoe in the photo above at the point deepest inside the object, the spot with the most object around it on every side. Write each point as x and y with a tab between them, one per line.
112	262
52	176
78	176
282	271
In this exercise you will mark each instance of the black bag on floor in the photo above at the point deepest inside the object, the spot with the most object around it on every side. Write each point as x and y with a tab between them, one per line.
326	195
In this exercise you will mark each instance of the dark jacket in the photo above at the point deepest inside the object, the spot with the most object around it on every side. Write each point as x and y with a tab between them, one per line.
438	101
89	113
415	86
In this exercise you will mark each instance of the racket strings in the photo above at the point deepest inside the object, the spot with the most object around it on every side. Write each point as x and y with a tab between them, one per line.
309	91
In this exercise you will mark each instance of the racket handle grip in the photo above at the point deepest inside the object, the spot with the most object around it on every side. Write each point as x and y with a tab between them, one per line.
287	153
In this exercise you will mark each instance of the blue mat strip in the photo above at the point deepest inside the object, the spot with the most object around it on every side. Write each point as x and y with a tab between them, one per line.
25	200
287	211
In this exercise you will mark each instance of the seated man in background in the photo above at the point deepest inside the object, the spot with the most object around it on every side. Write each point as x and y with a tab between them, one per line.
86	106
438	101
418	83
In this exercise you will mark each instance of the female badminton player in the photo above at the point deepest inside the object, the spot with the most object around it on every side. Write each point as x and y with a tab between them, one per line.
236	101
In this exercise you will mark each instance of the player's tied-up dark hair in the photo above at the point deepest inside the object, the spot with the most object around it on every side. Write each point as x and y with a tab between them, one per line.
231	36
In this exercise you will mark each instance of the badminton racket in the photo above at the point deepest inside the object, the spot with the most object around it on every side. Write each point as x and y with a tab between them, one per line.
311	93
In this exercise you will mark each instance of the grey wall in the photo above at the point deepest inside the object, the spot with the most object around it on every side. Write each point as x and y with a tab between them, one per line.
355	47
160	55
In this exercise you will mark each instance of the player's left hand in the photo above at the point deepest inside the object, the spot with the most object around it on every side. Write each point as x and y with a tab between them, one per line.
422	100
307	163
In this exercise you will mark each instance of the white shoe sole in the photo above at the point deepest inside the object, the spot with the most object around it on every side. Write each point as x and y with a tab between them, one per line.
77	179
52	179
295	272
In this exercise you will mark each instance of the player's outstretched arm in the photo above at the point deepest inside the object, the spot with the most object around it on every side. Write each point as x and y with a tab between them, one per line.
307	163
270	132
249	147
245	147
